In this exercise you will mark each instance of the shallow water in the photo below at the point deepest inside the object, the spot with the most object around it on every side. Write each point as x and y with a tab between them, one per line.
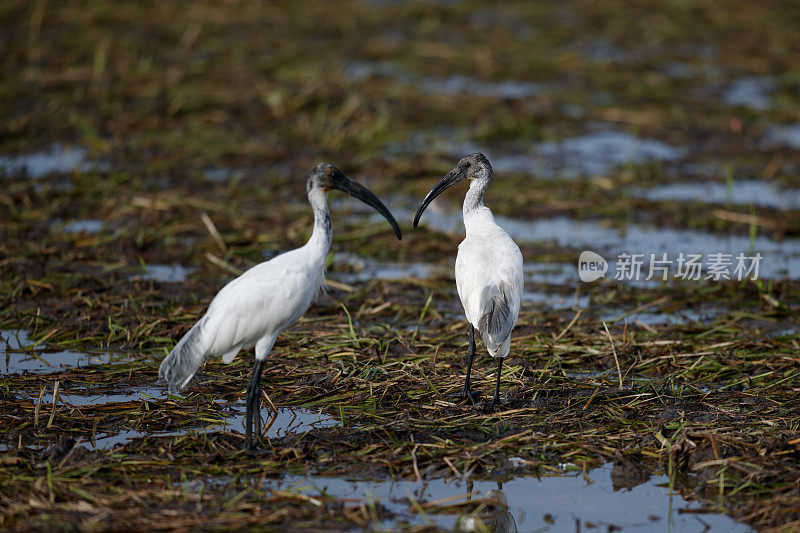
351	268
39	362
288	421
560	274
753	92
602	51
787	136
552	503
599	152
554	301
595	153
76	399
14	339
19	355
58	158
223	174
88	226
744	192
166	273
650	318
508	89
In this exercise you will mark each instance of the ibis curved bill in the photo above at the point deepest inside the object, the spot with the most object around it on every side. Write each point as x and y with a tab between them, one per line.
253	309
488	267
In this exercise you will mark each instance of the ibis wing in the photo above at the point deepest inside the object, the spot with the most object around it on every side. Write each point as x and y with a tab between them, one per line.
267	299
496	316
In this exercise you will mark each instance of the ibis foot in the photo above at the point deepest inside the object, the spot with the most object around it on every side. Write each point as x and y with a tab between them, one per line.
472	395
255	449
494	403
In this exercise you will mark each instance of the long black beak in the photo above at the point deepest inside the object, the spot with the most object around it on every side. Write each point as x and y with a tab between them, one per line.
451	178
356	190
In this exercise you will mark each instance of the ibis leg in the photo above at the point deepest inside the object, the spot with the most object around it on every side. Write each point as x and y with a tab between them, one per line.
496	399
467	392
252	400
470	357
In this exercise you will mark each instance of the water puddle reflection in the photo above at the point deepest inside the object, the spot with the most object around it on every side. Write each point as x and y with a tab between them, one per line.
39	362
81	399
18	354
607	499
287	421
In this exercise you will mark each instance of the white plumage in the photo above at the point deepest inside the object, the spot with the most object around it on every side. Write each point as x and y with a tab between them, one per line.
488	267
489	280
253	309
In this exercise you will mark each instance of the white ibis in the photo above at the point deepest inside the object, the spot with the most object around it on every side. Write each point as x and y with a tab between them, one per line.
253	309
488	267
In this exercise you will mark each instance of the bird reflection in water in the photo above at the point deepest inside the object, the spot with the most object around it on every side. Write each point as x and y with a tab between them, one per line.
493	515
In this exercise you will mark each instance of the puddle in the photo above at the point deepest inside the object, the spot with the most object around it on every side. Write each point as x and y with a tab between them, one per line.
662	319
508	89
88	226
560	274
221	175
165	273
587	155
553	301
601	51
599	152
754	93
604	500
77	399
687	71
14	339
351	268
782	137
744	192
17	356
289	421
58	158
38	362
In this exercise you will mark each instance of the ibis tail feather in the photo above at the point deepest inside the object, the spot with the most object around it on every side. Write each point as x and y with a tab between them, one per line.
178	368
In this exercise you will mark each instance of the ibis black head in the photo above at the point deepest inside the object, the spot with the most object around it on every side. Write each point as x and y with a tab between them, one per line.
473	166
327	177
